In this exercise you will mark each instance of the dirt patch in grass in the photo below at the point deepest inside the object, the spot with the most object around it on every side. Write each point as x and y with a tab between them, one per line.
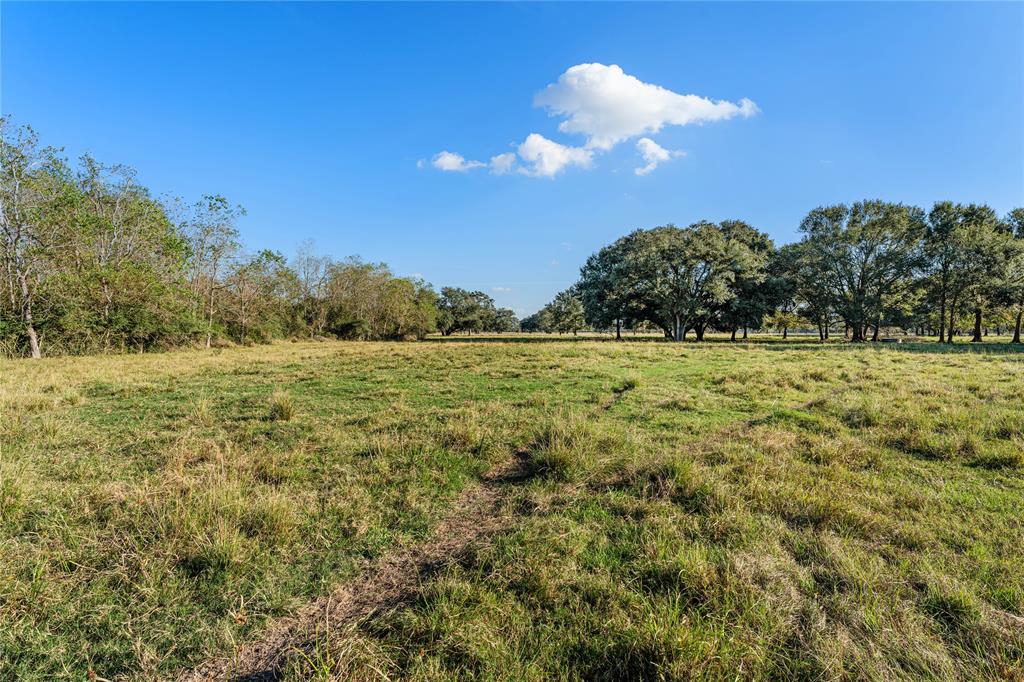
381	586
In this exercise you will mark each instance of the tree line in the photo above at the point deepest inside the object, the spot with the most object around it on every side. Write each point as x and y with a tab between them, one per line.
865	268
91	263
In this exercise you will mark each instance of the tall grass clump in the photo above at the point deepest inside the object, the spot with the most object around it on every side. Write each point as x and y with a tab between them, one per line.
566	446
282	407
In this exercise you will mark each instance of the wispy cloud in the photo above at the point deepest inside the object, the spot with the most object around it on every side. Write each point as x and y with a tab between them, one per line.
454	163
653	154
503	163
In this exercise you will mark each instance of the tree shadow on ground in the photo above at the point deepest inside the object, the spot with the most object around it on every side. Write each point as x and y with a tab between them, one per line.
808	343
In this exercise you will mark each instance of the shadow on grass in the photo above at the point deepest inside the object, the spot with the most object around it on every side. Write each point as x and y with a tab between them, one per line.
808	343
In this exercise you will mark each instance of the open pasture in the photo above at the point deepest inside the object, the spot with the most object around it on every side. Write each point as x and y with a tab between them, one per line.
714	510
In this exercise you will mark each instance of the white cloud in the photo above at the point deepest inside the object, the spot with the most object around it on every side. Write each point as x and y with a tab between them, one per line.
547	158
609	106
503	163
452	162
501	290
654	154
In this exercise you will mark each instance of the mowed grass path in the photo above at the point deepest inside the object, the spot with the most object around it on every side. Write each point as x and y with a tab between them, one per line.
696	511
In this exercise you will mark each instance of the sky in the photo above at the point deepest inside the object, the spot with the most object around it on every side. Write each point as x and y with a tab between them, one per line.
496	146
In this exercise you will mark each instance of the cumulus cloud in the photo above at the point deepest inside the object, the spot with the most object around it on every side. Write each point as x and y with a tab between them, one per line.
501	290
503	163
653	154
608	105
546	158
452	162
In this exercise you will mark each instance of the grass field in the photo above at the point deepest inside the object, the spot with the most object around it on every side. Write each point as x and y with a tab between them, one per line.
740	511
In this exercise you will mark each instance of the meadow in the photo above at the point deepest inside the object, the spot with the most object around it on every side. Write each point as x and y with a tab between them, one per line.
756	510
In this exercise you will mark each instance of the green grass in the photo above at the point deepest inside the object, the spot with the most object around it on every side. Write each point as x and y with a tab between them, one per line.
754	511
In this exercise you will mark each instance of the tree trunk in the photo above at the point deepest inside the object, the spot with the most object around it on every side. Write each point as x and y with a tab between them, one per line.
977	326
26	317
33	341
785	333
874	336
942	317
733	336
1016	328
744	332
858	334
950	329
618	329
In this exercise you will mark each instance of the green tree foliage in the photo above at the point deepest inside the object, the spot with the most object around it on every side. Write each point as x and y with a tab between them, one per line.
92	263
564	314
869	266
867	256
31	192
702	276
459	310
970	257
1015	270
214	242
606	289
757	288
366	301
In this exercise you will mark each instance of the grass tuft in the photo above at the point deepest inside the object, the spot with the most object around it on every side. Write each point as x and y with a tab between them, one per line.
282	407
565	447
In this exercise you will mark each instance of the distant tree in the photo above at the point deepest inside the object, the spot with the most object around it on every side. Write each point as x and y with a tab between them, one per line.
784	321
968	250
606	286
1015	270
366	301
530	323
214	242
685	273
800	290
505	321
469	311
257	296
866	255
565	313
312	272
757	290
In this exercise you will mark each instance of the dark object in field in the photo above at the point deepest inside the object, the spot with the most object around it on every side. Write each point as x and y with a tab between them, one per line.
892	340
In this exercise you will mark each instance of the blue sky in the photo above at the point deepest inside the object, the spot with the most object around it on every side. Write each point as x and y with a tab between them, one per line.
324	119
